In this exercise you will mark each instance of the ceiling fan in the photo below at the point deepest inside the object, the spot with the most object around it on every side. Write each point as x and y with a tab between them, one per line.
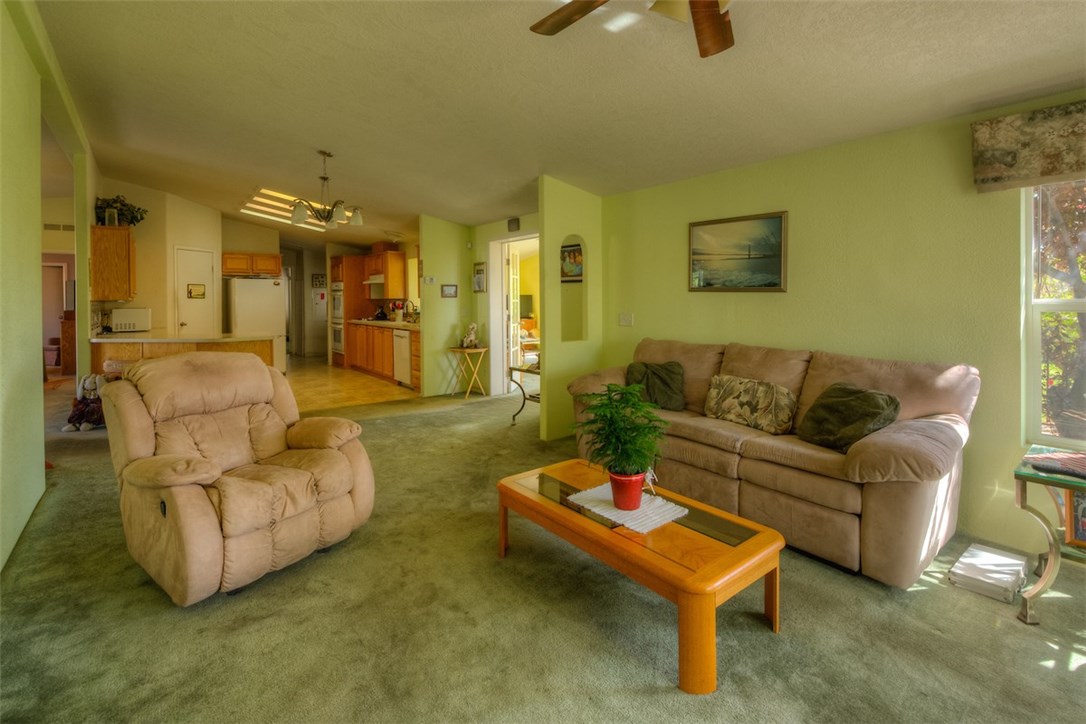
712	23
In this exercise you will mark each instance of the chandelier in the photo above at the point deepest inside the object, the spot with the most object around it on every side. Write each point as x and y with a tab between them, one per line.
325	211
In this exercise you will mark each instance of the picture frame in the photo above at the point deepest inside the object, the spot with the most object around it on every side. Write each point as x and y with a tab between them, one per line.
572	269
478	277
739	254
319	281
448	291
1075	518
196	291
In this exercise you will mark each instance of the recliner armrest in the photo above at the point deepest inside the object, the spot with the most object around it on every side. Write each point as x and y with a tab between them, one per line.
322	432
923	449
165	471
597	381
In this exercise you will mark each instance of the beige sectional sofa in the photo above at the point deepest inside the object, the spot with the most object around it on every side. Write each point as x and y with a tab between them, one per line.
883	508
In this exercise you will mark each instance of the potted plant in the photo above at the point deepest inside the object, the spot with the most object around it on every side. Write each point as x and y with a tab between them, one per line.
623	435
125	214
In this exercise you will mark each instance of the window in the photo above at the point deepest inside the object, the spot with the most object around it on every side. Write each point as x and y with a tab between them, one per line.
1055	355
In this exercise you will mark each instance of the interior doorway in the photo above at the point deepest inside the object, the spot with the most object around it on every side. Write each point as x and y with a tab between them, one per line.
515	311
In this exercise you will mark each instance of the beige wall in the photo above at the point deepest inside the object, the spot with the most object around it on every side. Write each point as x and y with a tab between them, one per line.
240	236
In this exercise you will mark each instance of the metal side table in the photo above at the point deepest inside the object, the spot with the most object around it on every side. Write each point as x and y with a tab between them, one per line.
1052	482
532	369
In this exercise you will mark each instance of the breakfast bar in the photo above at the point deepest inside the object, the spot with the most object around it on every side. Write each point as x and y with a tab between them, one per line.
132	347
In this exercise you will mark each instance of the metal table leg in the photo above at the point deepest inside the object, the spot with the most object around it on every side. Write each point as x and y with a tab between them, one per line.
1028	613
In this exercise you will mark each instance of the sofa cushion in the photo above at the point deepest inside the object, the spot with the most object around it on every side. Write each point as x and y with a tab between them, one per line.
700	362
727	436
701	456
176	385
762	405
922	388
791	452
663	383
829	492
844	413
785	367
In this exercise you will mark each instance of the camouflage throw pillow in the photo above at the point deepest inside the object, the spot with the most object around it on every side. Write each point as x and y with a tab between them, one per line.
761	405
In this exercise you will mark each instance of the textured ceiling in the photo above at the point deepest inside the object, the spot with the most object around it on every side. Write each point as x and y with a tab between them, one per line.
453	108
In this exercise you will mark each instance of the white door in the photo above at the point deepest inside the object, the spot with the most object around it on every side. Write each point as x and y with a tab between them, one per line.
513	309
194	285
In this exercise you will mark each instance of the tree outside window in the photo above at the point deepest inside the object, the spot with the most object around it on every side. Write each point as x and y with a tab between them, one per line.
1059	311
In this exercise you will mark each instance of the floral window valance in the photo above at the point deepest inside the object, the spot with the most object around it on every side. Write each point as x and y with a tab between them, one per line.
1027	149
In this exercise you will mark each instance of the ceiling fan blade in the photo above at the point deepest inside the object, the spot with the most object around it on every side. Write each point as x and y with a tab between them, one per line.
712	29
565	16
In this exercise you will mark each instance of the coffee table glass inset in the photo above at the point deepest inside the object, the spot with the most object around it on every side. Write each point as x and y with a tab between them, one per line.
698	562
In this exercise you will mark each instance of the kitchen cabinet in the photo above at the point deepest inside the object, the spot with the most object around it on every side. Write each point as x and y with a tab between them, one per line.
368	348
236	263
337	269
112	264
416	361
393	266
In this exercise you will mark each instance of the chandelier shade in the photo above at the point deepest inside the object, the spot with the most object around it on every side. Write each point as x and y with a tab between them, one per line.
325	212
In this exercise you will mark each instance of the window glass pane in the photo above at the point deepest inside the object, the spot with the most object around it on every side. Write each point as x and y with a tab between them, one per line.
1063	374
1059	241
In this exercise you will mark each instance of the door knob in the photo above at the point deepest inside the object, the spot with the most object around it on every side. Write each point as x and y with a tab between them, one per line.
184	324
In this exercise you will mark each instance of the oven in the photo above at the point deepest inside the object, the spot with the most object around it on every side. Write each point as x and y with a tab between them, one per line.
337	303
337	338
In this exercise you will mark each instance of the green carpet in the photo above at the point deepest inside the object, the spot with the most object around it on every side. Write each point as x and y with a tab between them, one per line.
415	618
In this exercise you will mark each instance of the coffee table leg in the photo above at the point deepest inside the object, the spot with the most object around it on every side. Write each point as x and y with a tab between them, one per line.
503	529
697	643
773	598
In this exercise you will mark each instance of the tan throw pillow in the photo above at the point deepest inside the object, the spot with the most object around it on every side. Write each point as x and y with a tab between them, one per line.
761	405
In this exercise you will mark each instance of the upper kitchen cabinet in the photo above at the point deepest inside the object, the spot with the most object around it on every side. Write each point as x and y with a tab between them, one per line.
392	266
241	264
112	264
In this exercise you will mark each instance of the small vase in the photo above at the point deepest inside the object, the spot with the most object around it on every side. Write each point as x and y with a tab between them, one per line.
626	490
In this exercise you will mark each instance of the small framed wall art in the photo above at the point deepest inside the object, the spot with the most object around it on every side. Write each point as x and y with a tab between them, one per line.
478	277
740	254
448	291
572	263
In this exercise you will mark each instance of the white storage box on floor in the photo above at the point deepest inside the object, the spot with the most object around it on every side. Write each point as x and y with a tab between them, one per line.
994	573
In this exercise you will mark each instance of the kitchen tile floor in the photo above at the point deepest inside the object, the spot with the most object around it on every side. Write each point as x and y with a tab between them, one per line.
318	385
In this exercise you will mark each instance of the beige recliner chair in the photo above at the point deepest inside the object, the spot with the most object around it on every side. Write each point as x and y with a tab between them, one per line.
220	481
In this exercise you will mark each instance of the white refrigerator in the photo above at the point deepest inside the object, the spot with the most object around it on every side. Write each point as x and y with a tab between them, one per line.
257	308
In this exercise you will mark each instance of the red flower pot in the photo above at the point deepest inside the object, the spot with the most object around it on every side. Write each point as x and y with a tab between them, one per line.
626	490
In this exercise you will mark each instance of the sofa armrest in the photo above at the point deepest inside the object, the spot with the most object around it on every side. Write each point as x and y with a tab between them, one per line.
597	381
167	471
923	449
322	432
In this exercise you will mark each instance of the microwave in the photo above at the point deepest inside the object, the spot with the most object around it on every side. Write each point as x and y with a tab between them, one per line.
133	319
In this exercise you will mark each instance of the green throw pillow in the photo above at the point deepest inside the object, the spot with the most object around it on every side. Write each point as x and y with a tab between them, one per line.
761	405
844	413
663	383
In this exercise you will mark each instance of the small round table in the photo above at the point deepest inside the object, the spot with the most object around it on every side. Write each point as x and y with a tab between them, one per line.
468	360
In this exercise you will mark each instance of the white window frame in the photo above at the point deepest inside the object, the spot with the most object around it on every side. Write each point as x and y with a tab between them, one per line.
1031	319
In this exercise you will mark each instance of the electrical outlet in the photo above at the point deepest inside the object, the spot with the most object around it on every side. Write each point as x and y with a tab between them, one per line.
625	319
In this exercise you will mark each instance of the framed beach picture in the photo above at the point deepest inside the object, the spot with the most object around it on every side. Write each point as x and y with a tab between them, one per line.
478	277
448	291
572	263
741	254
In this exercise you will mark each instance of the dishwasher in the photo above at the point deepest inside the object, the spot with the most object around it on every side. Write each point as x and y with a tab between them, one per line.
401	356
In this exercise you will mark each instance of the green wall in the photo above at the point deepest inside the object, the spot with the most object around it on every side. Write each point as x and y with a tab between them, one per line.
891	253
567	211
443	248
22	423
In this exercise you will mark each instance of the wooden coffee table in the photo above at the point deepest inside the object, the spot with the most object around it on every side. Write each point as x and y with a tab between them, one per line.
698	562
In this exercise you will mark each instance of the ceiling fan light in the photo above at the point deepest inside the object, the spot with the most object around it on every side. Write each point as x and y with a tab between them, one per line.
299	214
356	216
330	224
339	214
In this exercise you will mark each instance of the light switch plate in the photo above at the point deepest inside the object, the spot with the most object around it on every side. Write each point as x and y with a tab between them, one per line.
625	319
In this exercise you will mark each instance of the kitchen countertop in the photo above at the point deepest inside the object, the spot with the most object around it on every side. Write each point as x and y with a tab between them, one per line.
413	326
